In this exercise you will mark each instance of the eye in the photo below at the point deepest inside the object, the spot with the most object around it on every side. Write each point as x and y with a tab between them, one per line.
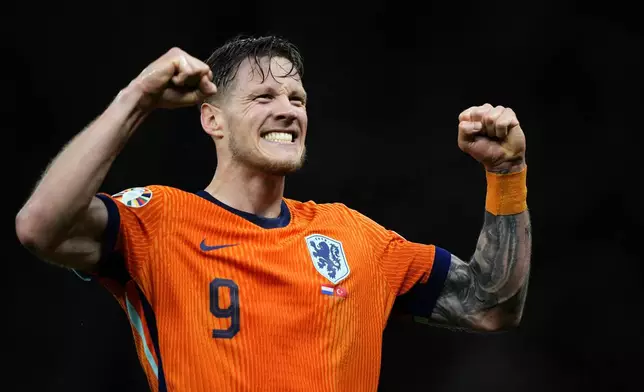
264	97
298	100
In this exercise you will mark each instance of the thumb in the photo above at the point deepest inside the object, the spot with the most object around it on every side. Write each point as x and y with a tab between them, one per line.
469	129
179	98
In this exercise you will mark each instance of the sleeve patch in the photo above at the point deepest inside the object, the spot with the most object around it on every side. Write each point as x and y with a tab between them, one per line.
134	197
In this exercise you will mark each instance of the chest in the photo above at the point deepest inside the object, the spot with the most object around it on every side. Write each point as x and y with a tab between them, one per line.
292	284
246	301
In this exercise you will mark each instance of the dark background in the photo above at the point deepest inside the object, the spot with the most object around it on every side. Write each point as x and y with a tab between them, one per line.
386	84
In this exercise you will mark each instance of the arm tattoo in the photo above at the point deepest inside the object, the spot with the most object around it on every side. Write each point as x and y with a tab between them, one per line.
488	292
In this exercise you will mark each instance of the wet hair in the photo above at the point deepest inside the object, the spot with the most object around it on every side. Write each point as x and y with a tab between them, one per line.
225	61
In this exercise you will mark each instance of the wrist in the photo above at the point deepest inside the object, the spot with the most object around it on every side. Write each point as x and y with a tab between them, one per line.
134	97
507	167
128	109
507	192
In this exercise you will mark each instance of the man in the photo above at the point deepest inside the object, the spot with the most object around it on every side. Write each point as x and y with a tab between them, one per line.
236	287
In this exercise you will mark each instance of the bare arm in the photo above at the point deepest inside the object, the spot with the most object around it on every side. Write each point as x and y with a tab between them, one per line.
488	292
62	221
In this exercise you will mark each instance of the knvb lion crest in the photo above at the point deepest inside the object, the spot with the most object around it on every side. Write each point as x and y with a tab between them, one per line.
328	257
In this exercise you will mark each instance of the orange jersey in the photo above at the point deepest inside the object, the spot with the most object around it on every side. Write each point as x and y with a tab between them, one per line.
222	300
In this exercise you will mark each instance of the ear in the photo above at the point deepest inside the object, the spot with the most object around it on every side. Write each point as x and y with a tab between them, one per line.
212	120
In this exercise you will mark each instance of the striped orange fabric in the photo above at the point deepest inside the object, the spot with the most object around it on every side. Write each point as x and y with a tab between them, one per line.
263	313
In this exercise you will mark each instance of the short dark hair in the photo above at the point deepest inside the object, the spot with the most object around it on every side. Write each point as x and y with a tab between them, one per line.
225	61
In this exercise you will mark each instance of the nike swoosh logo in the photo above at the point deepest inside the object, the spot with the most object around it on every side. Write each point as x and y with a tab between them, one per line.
207	248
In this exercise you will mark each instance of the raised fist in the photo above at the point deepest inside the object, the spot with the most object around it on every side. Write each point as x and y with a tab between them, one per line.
175	79
492	136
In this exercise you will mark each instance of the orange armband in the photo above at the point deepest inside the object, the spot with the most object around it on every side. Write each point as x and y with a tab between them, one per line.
507	194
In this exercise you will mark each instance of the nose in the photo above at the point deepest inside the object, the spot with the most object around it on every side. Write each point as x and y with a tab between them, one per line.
284	110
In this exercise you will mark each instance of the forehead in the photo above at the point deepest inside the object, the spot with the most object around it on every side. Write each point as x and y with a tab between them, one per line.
276	71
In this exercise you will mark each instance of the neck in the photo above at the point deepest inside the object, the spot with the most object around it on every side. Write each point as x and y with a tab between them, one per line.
248	190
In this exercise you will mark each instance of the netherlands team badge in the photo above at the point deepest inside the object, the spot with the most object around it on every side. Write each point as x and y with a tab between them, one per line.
134	197
328	257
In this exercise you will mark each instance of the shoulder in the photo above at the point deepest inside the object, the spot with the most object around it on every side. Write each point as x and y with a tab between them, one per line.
312	206
157	198
336	211
140	196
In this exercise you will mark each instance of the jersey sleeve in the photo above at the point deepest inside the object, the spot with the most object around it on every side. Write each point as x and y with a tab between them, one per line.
135	219
411	269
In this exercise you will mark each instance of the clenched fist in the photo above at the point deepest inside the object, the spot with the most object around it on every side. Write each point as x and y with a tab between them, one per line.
175	79
492	136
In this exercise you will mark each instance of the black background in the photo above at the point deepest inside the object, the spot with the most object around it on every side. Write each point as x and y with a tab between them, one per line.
386	83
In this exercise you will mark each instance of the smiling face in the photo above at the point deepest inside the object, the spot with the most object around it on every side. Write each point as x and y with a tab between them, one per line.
261	122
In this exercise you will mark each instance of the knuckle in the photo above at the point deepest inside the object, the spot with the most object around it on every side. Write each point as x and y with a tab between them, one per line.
465	113
512	114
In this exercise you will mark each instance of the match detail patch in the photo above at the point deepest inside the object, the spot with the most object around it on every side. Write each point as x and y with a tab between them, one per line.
134	197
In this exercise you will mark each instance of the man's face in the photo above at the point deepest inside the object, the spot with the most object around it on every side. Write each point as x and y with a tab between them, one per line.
266	122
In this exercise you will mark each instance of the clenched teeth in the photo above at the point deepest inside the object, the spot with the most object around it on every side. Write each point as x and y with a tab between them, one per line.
279	137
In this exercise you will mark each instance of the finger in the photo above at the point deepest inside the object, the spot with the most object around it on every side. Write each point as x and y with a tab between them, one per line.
489	120
465	114
198	66
478	112
470	128
183	67
506	121
467	132
199	71
206	86
182	97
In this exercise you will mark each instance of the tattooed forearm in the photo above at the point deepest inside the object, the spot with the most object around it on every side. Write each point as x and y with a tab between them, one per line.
488	292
